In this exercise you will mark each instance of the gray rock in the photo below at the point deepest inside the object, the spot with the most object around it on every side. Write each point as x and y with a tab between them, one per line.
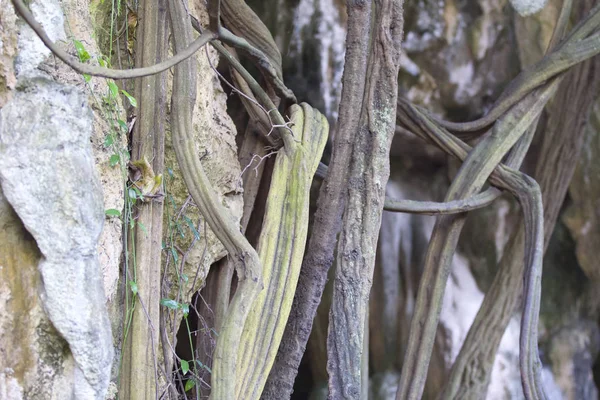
47	175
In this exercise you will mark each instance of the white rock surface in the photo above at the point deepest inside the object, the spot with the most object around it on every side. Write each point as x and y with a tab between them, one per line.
527	7
48	176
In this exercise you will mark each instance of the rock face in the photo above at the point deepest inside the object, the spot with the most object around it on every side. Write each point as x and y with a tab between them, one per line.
55	328
48	177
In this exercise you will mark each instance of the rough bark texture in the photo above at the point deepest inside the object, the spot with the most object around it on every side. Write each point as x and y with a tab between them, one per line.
139	377
369	173
319	254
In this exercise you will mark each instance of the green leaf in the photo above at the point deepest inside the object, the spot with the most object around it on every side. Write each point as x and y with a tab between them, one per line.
186	309
184	277
111	212
169	303
123	125
143	228
192	227
179	229
206	367
174	254
109	140
114	89
132	194
131	99
87	78
134	287
185	367
81	51
189	384
114	160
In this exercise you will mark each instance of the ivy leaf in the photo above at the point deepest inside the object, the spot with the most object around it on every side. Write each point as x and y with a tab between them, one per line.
109	140
114	160
111	212
169	303
189	384
185	367
131	99
114	89
81	51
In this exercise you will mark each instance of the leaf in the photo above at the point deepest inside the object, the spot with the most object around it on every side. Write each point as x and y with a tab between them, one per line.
189	384
114	160
206	367
186	309
192	227
87	78
134	287
185	367
131	99
174	254
132	194
109	140
111	212
143	228
169	303
123	125
81	51
184	277
114	89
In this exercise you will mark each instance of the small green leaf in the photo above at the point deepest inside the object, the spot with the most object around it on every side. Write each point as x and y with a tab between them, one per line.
192	227
185	367
189	384
180	229
87	78
134	287
184	277
206	367
132	194
186	309
114	160
174	254
131	99
81	51
123	125
169	303
109	140
114	89
143	228
111	212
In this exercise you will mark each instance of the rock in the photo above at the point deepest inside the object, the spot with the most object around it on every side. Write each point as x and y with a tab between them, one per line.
527	7
48	176
583	215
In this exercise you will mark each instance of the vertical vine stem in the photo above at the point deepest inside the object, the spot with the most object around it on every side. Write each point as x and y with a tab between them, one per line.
243	254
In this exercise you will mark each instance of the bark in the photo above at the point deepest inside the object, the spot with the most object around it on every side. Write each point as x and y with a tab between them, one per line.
560	151
319	255
362	219
140	353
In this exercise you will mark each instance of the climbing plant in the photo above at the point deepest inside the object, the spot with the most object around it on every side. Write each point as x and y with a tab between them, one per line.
262	329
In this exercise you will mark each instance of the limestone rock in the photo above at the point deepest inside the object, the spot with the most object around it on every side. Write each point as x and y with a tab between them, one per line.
47	174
